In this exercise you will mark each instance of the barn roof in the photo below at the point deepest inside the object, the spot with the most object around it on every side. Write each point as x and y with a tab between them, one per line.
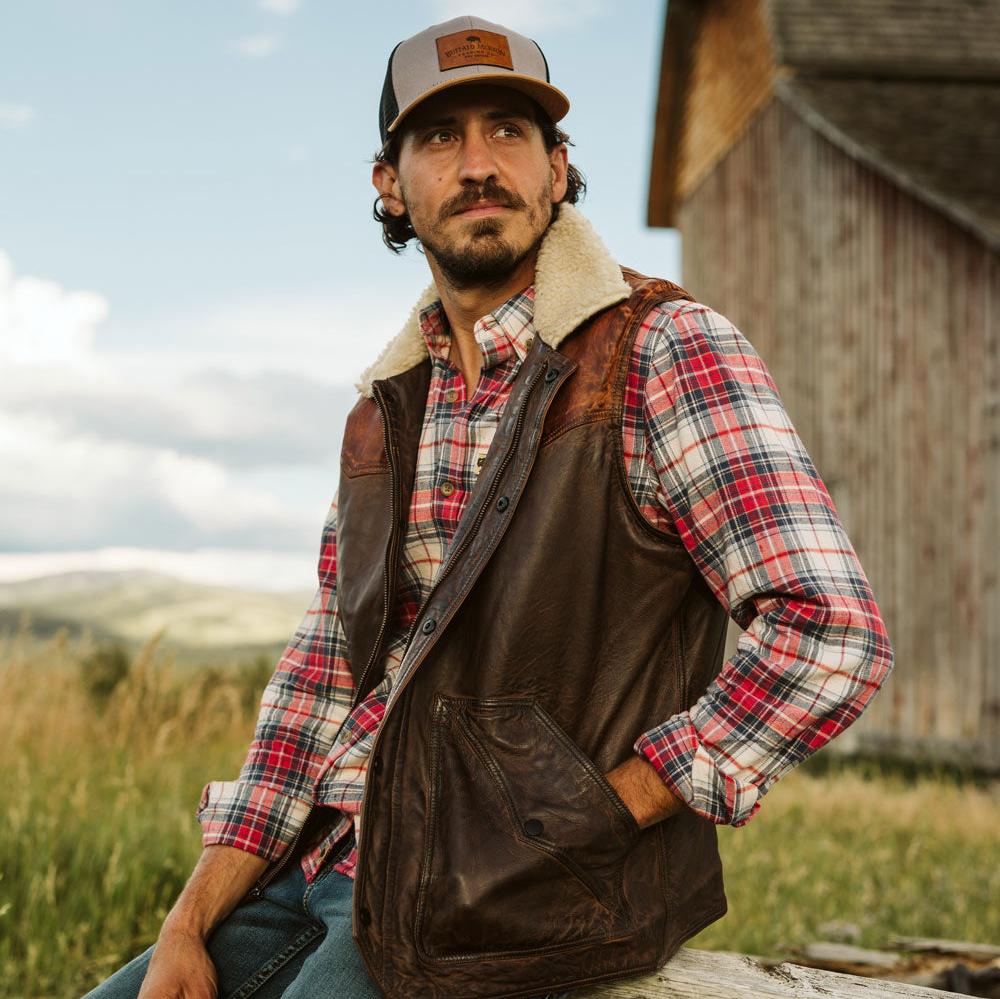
912	89
938	140
937	39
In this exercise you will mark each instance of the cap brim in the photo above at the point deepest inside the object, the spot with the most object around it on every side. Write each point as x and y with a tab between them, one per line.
552	100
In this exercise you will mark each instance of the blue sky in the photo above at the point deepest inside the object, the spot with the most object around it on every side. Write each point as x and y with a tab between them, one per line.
190	278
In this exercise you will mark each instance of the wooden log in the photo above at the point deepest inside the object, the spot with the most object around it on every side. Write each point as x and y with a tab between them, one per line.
832	954
963	948
704	974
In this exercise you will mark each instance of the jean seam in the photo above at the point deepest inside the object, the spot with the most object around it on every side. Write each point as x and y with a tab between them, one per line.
260	976
323	874
326	869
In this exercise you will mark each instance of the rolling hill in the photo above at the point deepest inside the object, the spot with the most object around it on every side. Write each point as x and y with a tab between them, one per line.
133	605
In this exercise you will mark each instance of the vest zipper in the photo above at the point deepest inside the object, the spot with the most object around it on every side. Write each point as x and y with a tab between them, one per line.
275	869
511	450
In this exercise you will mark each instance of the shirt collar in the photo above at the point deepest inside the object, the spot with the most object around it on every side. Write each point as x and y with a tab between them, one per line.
503	334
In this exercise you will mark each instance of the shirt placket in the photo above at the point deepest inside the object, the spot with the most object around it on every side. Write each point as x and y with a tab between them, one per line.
451	452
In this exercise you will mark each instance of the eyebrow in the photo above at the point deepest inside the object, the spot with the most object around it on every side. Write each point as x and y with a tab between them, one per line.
495	115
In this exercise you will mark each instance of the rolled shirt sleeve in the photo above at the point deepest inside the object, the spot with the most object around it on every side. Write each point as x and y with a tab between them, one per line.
302	707
757	520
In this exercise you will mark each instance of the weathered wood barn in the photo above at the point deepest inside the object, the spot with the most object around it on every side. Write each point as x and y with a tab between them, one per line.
833	170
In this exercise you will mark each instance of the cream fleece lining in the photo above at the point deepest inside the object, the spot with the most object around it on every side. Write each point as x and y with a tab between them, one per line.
575	277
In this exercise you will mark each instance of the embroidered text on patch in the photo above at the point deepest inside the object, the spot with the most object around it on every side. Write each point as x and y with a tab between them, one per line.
473	47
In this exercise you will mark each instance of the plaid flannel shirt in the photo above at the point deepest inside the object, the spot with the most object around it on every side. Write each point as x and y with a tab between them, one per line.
712	456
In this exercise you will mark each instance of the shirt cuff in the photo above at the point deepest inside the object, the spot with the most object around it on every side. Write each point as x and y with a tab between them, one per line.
691	771
250	817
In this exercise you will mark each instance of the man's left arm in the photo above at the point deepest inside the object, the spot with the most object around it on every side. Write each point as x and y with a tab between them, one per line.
759	523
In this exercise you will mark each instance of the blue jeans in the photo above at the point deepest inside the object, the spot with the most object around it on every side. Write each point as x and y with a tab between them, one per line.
295	941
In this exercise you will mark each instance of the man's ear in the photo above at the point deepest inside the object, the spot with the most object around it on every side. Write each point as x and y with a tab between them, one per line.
558	164
386	181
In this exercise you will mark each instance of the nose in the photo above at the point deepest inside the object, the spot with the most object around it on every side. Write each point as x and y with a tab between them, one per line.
477	162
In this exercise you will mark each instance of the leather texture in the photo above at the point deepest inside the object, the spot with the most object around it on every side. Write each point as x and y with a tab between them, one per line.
495	859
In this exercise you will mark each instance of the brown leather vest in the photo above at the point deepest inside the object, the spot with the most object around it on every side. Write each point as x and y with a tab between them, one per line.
494	857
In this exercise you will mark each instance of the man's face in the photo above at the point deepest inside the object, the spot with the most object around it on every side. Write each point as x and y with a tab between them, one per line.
476	180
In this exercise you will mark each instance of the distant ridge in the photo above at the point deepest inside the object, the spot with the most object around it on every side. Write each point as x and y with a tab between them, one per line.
134	604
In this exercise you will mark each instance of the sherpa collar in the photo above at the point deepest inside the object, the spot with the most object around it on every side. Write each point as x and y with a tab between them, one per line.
575	277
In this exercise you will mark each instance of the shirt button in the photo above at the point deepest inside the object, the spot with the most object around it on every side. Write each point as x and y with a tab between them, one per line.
451	395
447	488
528	341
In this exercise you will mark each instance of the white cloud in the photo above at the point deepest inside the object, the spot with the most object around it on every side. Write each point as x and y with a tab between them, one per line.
42	323
217	429
525	16
16	115
330	339
283	7
97	451
256	46
276	419
66	490
203	492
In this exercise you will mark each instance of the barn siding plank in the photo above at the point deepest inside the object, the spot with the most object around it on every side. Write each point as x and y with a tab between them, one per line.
877	317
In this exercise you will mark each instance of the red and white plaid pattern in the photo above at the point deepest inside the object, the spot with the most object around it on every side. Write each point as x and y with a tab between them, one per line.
712	456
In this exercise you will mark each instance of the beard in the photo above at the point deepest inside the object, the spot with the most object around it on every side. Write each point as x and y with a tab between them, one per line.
483	256
483	259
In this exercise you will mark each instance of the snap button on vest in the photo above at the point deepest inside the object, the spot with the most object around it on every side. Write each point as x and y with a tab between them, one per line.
551	375
366	916
503	503
377	764
533	827
428	626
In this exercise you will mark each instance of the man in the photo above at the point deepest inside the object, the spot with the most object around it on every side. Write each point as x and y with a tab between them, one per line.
492	759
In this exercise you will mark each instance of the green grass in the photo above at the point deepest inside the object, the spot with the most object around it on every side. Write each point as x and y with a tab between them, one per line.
892	853
98	829
98	821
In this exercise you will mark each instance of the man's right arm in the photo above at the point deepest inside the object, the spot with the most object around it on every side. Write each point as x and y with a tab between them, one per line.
249	822
302	708
180	966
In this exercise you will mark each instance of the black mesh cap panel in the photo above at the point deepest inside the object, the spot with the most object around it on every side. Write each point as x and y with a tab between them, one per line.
388	106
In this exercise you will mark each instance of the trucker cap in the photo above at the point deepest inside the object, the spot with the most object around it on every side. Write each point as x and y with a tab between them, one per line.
460	51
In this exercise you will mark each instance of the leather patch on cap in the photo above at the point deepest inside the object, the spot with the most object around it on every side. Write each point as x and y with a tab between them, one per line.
473	47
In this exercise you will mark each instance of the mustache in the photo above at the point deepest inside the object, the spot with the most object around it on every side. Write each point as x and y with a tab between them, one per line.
489	191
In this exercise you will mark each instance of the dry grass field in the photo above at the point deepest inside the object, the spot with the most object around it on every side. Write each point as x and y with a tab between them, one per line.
104	760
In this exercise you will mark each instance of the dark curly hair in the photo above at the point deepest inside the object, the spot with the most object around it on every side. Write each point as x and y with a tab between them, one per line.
396	229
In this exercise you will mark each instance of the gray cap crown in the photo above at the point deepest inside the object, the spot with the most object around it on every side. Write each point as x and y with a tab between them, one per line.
464	50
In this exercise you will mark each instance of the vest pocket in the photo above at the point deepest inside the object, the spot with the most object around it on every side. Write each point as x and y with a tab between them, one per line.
525	841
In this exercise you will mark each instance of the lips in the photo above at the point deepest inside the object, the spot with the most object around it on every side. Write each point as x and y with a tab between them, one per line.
481	207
